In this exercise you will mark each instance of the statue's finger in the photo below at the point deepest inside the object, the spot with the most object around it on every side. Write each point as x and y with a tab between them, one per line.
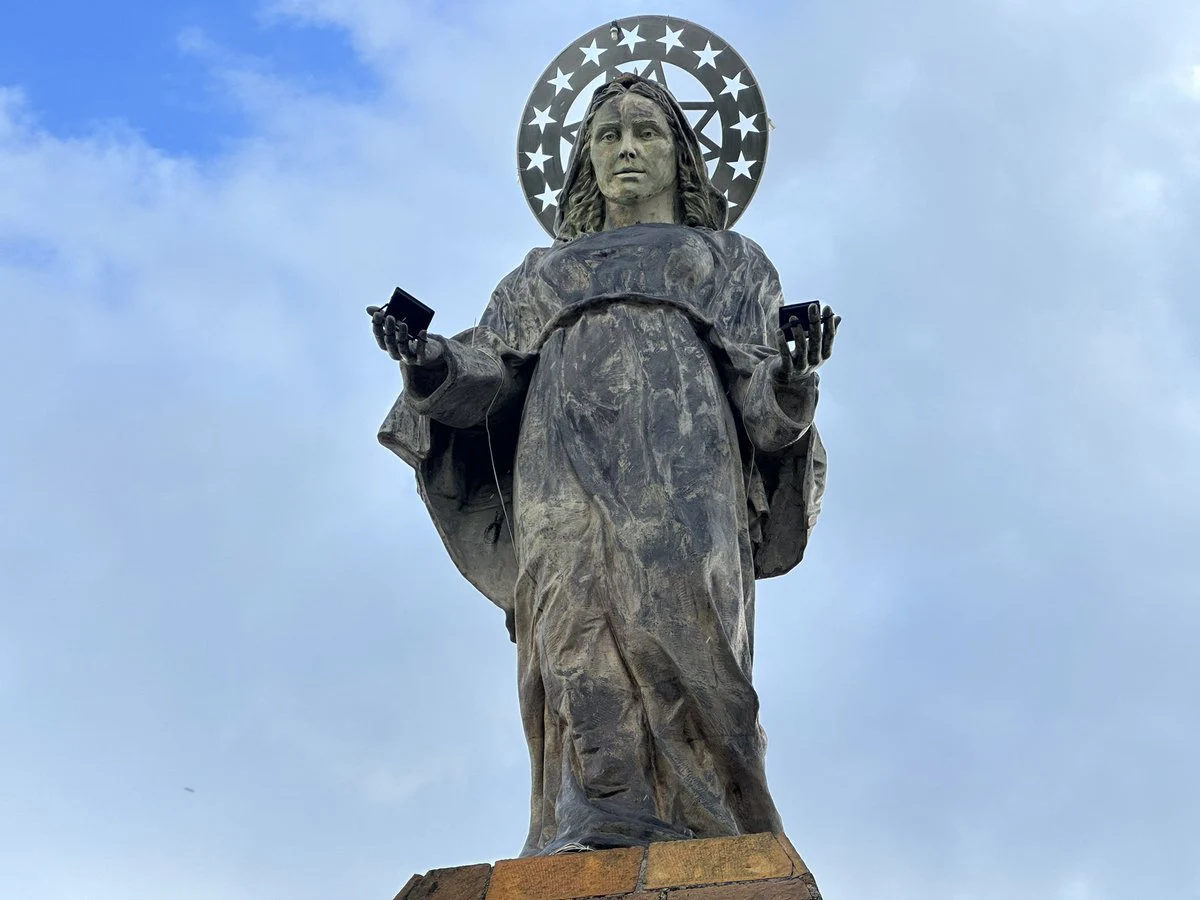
377	330
398	339
785	356
827	330
813	341
371	310
827	337
405	342
800	359
390	343
431	350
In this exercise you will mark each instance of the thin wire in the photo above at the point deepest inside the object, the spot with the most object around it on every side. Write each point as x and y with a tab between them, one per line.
487	428
750	480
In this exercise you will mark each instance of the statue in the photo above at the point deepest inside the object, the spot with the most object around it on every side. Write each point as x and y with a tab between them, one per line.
612	456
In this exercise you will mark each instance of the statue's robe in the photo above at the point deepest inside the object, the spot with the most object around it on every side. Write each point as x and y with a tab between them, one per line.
611	461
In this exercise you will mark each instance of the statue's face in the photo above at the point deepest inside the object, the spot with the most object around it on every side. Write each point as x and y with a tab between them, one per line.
632	150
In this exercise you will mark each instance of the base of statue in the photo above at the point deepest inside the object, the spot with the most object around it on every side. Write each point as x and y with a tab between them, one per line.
750	867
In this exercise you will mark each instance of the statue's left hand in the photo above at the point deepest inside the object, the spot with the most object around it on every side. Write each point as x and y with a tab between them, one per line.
422	351
814	344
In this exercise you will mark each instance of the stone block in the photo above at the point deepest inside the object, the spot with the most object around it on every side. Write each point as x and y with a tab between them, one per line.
716	860
461	883
797	862
801	888
597	873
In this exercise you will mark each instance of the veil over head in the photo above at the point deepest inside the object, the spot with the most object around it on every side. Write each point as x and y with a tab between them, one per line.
703	205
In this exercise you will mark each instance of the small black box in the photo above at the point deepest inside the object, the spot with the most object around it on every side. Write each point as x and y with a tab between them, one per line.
800	311
408	309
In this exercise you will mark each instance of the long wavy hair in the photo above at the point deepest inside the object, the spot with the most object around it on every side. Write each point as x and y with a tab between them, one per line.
581	205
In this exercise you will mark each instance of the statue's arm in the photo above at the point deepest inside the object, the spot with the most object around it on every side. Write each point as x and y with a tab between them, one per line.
776	414
476	380
773	386
463	380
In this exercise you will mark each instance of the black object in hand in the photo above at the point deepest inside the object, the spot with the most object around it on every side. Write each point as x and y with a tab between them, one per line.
800	311
406	308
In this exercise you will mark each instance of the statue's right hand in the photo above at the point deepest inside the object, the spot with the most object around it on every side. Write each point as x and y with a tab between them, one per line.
424	351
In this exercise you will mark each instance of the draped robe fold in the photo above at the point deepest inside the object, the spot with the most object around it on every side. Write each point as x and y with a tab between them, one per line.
610	460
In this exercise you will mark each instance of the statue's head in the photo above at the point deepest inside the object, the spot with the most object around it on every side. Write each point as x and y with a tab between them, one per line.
670	161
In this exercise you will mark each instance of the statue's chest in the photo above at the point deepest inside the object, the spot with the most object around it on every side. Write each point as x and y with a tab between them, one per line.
671	262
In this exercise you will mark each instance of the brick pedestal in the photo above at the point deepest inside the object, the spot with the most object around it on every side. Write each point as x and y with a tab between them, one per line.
751	867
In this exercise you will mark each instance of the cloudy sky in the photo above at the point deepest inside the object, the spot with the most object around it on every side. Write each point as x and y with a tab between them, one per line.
982	683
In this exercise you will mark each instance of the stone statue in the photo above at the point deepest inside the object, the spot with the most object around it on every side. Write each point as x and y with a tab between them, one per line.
614	454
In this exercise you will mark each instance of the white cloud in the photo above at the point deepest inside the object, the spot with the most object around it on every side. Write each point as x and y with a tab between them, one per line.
222	578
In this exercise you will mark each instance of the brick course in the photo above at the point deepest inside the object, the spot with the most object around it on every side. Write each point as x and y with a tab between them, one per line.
749	867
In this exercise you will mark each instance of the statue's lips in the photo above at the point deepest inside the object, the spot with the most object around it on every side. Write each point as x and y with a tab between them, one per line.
629	172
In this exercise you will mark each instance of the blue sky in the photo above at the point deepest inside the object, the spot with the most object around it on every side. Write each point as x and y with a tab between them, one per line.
149	67
981	683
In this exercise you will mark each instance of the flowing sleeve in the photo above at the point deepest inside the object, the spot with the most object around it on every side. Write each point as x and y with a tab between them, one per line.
775	415
487	373
786	461
483	378
460	436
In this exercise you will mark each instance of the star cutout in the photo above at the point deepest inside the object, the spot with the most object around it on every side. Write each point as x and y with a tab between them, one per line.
562	82
631	37
708	56
567	67
549	197
537	158
734	85
592	54
541	118
741	167
745	123
671	40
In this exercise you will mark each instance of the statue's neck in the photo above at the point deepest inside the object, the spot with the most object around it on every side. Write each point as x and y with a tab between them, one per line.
659	208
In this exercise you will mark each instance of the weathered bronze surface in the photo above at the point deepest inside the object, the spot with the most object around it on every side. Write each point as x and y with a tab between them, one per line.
614	454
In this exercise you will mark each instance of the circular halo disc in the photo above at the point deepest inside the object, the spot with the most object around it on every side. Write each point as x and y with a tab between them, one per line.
710	80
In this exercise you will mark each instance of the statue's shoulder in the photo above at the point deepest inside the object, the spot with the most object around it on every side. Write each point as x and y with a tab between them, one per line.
737	248
533	258
527	268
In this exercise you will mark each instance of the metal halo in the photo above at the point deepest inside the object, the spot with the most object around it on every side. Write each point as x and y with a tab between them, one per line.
731	122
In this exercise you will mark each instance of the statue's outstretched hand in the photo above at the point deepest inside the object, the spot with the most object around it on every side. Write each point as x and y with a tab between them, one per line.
422	351
422	358
814	344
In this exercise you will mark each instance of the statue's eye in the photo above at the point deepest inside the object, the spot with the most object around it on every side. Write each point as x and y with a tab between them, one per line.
608	137
648	133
